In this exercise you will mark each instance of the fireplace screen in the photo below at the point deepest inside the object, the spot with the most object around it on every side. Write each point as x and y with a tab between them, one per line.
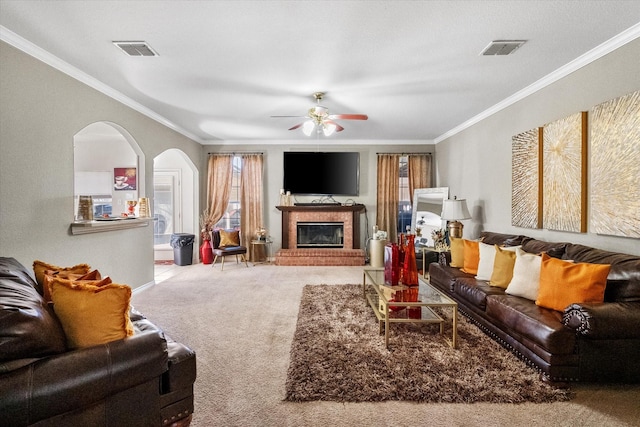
320	234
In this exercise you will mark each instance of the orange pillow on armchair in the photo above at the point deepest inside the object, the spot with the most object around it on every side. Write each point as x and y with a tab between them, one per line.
229	238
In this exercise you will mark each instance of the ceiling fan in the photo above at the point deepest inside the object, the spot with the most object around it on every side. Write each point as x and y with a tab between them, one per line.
318	118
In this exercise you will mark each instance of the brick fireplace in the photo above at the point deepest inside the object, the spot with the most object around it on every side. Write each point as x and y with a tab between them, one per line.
344	246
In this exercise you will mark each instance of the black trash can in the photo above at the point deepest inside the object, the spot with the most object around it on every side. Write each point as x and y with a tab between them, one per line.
182	244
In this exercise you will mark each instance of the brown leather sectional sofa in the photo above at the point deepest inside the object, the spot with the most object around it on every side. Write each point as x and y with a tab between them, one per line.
143	380
597	342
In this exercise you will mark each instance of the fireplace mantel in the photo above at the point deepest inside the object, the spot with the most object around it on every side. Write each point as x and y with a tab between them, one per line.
321	209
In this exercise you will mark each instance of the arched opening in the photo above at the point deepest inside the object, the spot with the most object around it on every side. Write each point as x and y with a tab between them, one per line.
108	165
175	202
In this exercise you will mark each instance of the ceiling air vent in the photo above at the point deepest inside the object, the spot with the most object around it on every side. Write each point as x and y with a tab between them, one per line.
502	47
136	48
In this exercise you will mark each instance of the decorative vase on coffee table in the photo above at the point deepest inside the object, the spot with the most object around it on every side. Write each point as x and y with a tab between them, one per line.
410	269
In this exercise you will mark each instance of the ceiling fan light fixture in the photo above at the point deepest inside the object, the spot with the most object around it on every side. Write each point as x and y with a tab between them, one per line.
328	129
307	127
319	111
320	121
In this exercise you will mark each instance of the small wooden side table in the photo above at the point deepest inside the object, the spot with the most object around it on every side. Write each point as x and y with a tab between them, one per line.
267	250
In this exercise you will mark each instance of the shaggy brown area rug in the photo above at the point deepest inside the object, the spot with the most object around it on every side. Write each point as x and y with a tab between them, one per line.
337	354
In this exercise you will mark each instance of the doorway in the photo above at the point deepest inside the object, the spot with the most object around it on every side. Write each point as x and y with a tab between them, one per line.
175	203
167	211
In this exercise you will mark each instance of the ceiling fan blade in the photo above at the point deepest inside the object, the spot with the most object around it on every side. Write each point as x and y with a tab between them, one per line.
338	127
296	126
348	117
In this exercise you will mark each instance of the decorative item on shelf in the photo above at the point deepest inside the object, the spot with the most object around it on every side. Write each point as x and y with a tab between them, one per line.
85	208
288	200
439	239
410	268
415	312
261	234
283	198
143	208
453	211
132	207
379	234
441	246
397	299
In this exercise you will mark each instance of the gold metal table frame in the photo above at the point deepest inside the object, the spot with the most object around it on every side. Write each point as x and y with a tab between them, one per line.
377	294
267	249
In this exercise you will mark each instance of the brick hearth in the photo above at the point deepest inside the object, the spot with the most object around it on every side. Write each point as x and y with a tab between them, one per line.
349	255
338	257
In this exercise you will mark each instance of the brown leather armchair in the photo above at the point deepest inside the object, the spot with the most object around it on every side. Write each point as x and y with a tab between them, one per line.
226	250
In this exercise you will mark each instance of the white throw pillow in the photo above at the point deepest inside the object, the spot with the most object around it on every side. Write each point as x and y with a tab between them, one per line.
526	275
485	265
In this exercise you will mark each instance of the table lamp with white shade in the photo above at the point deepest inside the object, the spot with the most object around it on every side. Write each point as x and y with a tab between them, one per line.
453	211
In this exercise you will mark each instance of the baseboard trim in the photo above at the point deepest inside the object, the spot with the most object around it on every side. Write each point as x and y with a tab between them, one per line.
146	285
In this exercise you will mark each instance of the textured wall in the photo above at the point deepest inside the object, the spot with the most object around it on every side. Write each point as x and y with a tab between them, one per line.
476	163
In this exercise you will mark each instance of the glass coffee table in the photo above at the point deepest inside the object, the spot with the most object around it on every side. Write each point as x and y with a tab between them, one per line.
387	312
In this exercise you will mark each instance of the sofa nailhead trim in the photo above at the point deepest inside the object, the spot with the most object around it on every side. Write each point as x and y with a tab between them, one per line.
509	347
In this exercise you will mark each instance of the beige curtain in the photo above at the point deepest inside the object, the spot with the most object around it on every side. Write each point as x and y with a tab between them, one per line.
419	170
220	174
251	201
388	194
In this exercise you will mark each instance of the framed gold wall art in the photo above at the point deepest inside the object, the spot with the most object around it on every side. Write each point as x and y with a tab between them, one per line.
526	209
564	183
615	167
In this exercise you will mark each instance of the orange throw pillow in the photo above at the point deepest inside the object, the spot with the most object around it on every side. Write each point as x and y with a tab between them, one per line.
471	256
39	267
92	315
563	283
92	278
457	253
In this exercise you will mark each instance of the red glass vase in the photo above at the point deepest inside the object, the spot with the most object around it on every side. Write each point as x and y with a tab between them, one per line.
409	268
391	264
206	252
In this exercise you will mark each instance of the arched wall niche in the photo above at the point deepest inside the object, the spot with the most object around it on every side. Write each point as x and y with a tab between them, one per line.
100	150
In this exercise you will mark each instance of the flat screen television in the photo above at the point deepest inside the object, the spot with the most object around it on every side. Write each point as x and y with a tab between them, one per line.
322	173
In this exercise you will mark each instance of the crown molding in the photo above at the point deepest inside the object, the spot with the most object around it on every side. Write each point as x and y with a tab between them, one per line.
609	46
322	141
40	54
594	54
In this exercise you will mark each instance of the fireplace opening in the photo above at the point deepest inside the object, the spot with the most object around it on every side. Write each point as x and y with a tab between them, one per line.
320	234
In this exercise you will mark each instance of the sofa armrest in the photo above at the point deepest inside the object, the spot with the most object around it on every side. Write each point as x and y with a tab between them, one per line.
79	378
609	320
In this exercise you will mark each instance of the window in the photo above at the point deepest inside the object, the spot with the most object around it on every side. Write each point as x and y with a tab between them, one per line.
231	217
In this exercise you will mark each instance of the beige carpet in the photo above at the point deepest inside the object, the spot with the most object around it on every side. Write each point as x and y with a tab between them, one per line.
241	323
